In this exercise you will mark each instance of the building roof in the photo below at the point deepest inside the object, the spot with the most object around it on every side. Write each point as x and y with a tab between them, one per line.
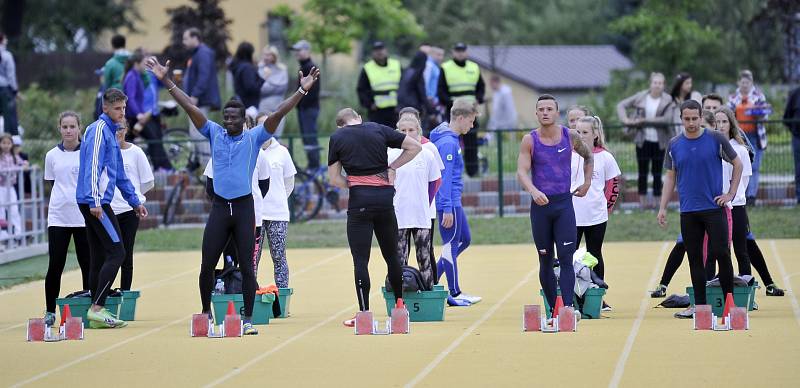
554	67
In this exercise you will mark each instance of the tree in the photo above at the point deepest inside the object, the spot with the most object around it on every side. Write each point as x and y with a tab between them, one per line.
332	25
209	18
54	25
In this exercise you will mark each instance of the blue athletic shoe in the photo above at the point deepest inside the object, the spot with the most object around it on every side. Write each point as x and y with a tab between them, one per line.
457	302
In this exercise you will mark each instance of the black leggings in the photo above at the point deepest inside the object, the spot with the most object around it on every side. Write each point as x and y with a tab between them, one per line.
693	226
106	250
229	219
128	224
57	243
741	227
370	209
674	262
649	153
594	244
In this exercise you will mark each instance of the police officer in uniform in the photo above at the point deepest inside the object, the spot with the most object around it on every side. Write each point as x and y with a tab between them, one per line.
378	84
462	78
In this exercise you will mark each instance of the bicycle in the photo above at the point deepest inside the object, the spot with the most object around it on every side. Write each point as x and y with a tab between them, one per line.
310	190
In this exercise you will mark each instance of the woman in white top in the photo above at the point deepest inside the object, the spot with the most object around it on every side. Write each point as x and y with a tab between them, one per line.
64	220
592	210
259	187
138	170
275	213
415	187
437	158
575	113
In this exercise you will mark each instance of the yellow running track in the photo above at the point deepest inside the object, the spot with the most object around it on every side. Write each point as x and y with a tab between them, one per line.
634	346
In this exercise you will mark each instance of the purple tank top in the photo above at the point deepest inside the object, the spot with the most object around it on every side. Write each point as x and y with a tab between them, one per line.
550	165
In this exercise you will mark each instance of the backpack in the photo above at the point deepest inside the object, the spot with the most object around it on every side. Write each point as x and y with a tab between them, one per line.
675	301
232	278
412	280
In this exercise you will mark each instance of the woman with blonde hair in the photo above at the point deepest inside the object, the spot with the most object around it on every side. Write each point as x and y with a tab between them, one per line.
592	210
744	245
276	82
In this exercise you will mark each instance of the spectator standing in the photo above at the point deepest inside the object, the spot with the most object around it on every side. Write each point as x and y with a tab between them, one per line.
152	129
651	127
276	82
504	113
462	78
431	74
681	91
246	81
114	69
200	84
750	106
412	86
8	88
308	107
10	166
791	117
378	85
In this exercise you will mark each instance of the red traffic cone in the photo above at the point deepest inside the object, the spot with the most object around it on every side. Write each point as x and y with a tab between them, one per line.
65	314
559	305
400	303
729	304
231	309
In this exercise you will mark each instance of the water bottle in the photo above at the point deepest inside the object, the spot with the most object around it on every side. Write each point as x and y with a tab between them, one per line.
219	289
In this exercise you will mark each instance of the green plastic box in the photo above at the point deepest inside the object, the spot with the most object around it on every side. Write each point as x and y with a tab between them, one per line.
284	297
742	296
262	309
78	307
423	306
127	310
592	303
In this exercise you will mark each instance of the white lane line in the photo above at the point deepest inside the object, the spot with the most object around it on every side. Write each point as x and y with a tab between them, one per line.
436	361
100	352
321	263
623	358
788	283
239	369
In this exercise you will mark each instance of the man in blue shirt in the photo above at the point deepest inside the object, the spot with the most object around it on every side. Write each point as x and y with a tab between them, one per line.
101	171
695	158
234	151
200	84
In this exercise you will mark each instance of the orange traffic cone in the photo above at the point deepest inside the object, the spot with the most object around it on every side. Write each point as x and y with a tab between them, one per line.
231	309
559	305
400	303
729	304
66	314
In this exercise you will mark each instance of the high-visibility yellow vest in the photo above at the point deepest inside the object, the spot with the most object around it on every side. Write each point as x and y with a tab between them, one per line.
384	80
461	81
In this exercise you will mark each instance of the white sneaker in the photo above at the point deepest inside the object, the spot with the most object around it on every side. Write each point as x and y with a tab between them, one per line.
468	298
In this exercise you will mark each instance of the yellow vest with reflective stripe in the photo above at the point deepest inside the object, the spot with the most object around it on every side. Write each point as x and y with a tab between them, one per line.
384	80
461	81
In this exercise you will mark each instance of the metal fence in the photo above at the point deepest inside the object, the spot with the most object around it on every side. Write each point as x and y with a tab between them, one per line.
23	225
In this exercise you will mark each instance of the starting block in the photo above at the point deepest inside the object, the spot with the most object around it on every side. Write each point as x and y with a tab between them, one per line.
203	326
400	319
71	328
733	318
398	323
531	317
565	320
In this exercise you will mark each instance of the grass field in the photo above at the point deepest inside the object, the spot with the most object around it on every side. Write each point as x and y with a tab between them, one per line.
635	345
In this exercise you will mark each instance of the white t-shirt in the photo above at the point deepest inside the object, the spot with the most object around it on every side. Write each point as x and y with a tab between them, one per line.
437	159
62	167
138	170
276	204
260	173
592	209
411	204
650	110
747	171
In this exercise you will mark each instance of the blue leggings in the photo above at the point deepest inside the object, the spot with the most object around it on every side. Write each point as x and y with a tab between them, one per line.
551	224
455	240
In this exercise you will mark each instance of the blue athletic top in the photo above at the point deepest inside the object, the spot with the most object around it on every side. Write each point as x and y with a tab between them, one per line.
449	195
100	155
234	158
698	168
551	164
